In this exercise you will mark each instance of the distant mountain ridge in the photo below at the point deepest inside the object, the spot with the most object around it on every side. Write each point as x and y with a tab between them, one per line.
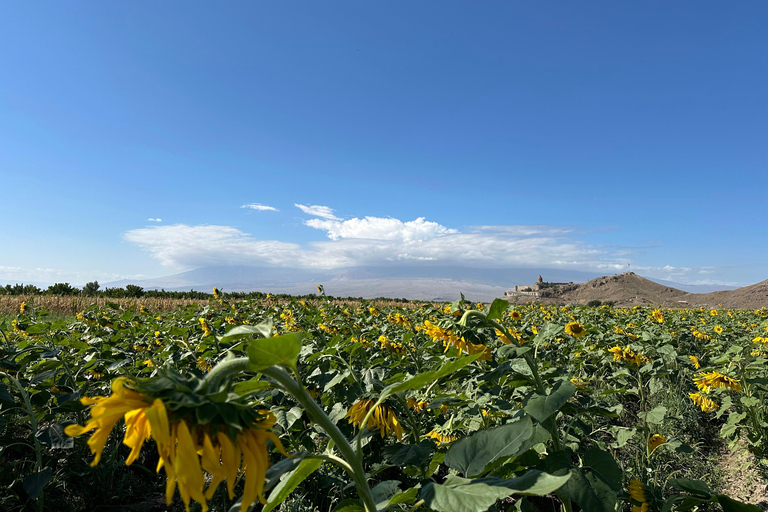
412	282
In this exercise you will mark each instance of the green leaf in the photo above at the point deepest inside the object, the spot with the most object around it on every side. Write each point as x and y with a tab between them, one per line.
498	307
409	454
383	492
408	496
731	505
55	437
655	415
349	505
34	483
465	495
695	487
513	350
750	401
249	386
423	379
280	350
263	329
470	455
604	466
589	492
5	396
542	407
289	482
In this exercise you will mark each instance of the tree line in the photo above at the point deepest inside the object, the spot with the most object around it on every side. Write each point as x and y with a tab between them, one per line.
93	289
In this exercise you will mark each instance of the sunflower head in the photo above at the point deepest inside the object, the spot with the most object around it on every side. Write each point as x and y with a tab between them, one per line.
194	432
575	329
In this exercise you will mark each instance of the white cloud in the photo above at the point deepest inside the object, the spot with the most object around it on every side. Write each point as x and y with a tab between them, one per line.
379	228
154	220
318	211
386	241
260	207
368	241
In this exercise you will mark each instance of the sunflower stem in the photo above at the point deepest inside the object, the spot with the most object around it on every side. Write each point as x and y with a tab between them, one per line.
316	413
224	369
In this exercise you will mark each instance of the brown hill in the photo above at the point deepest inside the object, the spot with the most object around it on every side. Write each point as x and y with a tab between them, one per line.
754	296
627	289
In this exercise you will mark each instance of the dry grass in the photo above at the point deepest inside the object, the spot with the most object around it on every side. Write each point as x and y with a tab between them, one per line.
71	305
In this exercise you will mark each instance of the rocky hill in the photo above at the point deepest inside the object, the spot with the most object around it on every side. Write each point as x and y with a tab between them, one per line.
629	289
748	297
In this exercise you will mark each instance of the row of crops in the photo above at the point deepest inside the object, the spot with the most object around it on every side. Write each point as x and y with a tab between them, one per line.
327	406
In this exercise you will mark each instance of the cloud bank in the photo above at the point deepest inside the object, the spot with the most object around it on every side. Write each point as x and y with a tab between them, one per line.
373	241
260	207
390	241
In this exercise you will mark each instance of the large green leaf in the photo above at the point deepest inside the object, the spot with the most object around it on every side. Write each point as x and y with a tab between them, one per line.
542	407
731	505
425	378
470	455
280	350
384	492
263	329
604	466
655	415
466	495
498	307
409	454
34	482
289	482
586	488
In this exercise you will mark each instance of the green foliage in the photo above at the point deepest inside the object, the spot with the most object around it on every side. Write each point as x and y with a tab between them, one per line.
484	418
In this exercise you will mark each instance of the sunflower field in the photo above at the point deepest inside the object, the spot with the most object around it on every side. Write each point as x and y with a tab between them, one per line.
326	405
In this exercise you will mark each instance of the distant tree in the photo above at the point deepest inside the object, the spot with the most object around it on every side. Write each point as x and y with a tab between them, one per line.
91	288
132	290
594	303
62	289
114	293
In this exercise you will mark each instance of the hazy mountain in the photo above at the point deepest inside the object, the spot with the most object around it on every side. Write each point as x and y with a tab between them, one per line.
412	282
696	288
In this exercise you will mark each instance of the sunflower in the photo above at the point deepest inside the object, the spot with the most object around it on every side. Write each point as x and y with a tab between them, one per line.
655	441
710	380
695	362
718	329
383	418
515	315
658	315
441	436
636	490
185	450
206	328
575	329
704	403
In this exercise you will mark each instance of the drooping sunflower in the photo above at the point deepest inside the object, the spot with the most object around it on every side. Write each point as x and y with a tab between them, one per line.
658	315
442	435
636	490
655	441
186	449
695	362
711	380
704	403
575	329
383	418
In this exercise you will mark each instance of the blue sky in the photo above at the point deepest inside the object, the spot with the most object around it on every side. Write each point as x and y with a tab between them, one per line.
580	135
